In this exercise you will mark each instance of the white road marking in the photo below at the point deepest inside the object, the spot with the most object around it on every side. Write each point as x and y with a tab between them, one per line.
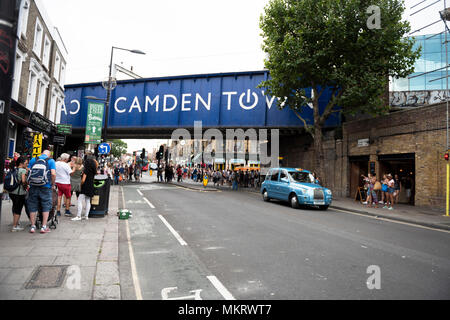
140	193
389	220
195	294
137	287
149	203
221	288
177	236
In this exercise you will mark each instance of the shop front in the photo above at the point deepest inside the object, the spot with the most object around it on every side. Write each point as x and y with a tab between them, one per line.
402	165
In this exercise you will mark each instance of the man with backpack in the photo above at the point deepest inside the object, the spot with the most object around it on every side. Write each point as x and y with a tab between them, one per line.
41	179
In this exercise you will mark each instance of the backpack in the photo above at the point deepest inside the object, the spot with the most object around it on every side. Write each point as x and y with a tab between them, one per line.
11	181
39	174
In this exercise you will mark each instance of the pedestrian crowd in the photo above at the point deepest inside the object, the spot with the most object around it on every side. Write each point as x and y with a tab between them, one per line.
386	191
234	178
41	186
122	172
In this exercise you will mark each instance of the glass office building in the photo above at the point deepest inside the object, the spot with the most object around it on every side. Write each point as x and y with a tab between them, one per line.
432	58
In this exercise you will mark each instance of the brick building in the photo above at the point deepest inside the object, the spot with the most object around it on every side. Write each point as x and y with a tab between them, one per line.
38	81
410	143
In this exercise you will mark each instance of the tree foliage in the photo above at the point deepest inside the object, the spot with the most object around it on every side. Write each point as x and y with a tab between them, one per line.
118	148
327	43
330	44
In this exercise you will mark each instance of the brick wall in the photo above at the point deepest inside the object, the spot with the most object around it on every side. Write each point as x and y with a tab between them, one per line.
421	131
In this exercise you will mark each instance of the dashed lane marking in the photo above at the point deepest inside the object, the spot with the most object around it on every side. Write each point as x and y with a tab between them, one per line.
177	236
149	203
221	288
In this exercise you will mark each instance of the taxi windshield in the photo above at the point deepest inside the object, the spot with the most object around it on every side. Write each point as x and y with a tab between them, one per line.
299	176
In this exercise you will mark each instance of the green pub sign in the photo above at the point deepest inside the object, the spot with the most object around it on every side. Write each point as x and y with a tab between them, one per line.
94	123
64	129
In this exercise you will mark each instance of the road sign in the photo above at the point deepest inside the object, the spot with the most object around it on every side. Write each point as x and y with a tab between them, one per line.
37	144
59	140
64	129
94	123
104	148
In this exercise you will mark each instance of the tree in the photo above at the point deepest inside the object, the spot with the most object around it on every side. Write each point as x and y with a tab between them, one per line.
118	148
333	44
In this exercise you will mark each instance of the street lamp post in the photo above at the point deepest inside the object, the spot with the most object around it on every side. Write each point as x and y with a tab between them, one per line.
109	88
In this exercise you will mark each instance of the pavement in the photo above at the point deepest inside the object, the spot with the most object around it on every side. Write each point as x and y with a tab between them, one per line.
78	258
405	213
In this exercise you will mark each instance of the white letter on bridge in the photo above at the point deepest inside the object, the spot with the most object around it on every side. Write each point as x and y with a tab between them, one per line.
229	94
136	105
78	106
115	105
151	102
165	102
198	97
184	102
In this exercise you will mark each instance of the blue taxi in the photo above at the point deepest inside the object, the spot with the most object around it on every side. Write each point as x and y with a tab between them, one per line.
297	186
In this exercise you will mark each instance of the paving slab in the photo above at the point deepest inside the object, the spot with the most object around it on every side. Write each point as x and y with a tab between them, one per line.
111	292
15	292
18	276
107	273
62	294
25	262
15	251
111	237
82	260
110	251
4	272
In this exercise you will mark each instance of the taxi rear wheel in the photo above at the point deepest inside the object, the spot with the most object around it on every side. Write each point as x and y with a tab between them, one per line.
265	196
294	201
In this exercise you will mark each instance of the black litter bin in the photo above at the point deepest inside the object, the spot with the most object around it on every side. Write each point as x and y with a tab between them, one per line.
100	200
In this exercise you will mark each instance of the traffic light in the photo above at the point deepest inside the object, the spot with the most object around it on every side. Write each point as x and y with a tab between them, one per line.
446	156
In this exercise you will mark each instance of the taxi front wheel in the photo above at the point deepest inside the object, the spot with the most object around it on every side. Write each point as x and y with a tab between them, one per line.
266	196
294	201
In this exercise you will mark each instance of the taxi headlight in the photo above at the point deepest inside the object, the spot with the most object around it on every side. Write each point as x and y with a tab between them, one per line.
329	192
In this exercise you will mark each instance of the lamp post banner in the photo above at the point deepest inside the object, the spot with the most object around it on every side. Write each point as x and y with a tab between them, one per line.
94	123
218	100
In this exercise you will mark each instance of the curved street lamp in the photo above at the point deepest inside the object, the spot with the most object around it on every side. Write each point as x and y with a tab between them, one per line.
109	87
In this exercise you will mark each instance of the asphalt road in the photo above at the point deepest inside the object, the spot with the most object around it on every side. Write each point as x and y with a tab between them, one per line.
189	244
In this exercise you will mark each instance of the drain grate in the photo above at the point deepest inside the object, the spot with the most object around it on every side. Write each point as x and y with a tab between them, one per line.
44	277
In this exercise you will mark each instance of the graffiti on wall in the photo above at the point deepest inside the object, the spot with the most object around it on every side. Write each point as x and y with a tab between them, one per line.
417	98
